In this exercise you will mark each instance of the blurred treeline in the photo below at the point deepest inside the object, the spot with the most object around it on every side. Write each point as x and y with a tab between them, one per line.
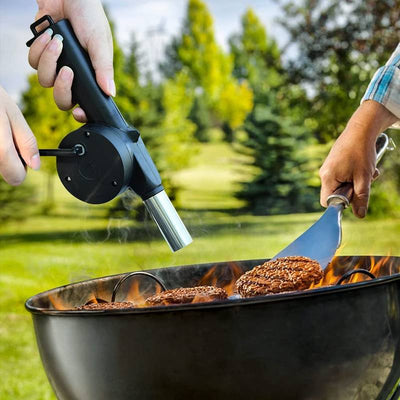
283	107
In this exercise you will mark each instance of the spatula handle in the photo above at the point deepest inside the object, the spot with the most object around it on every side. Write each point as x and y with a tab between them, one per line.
344	193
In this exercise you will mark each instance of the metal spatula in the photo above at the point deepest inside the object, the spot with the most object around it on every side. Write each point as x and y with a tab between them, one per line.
322	239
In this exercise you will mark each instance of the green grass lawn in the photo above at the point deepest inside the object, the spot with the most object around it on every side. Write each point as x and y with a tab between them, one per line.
79	241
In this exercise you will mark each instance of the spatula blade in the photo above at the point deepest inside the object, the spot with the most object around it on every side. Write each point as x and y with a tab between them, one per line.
321	240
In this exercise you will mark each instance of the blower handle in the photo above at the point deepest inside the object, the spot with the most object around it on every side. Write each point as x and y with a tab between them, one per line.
99	107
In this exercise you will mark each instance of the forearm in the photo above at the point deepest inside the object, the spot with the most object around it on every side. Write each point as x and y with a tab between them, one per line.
352	158
369	120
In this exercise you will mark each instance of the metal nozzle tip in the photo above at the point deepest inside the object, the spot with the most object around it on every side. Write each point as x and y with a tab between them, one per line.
168	221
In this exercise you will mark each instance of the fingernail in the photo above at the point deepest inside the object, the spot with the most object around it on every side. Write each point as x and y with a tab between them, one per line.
35	162
361	212
58	37
65	74
111	87
55	44
46	36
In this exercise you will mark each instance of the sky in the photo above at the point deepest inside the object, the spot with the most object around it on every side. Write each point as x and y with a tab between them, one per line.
153	22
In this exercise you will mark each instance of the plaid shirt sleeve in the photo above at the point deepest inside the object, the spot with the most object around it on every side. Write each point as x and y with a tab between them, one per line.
385	85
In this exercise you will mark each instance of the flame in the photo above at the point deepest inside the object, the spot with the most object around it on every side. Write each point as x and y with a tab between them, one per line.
135	295
223	278
210	278
227	276
92	299
384	266
102	293
57	303
201	299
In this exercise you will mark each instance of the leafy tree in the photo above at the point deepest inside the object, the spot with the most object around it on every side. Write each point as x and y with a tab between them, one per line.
338	46
210	70
256	56
275	133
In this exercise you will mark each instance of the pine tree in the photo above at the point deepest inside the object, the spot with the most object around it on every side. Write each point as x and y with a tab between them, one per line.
139	98
275	142
275	133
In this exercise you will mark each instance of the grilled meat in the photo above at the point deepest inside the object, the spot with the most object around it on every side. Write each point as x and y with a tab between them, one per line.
107	306
284	274
198	294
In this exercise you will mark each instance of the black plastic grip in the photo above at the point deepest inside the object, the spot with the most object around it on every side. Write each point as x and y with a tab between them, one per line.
99	107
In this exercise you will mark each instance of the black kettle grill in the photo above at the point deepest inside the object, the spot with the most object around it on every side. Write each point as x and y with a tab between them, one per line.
106	156
338	342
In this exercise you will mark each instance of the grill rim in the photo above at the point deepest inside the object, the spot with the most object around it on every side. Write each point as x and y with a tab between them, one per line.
218	304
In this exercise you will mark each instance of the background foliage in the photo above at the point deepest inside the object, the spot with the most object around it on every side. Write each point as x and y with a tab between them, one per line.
340	44
281	107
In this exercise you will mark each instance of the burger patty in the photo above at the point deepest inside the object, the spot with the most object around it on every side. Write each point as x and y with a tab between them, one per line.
107	306
198	294
284	274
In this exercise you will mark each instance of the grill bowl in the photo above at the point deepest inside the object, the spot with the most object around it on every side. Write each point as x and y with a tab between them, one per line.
339	342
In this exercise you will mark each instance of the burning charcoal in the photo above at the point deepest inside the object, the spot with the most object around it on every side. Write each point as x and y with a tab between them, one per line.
198	294
284	274
106	306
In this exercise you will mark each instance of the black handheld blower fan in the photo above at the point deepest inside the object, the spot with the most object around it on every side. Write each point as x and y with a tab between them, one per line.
106	156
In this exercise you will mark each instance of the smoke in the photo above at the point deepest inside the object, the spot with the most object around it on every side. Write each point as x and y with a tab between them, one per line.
119	224
129	199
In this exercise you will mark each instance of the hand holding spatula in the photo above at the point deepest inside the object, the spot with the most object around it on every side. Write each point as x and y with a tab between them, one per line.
322	239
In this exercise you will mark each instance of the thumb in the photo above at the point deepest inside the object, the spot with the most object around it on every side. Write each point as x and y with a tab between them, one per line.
49	7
